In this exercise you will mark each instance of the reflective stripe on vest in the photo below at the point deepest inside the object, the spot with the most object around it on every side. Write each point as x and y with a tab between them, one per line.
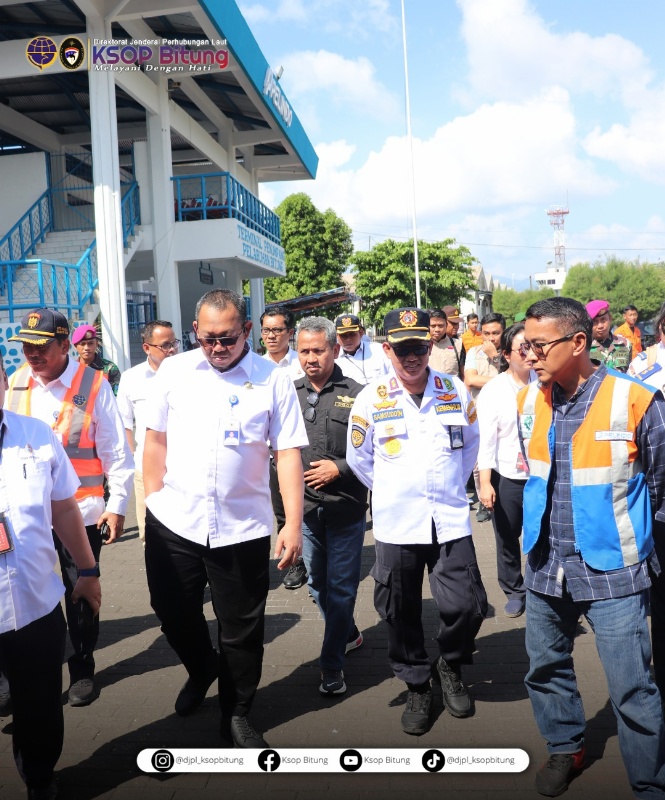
610	499
73	423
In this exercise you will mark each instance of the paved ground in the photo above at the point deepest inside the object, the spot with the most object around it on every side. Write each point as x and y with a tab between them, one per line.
139	678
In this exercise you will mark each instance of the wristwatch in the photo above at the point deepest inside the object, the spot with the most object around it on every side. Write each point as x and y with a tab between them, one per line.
90	572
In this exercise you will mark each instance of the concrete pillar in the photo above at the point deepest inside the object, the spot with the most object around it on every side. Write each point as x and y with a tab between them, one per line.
258	307
107	197
161	170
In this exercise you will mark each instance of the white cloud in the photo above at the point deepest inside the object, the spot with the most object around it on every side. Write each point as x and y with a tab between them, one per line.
513	52
345	83
284	11
501	159
636	148
647	243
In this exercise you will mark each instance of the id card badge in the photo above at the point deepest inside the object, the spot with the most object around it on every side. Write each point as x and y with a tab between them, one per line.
456	437
6	544
232	433
522	465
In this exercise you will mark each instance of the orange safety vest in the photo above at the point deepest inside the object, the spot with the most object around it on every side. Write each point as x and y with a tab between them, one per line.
612	516
72	424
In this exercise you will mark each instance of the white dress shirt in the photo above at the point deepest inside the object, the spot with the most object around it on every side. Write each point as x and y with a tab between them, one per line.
132	395
366	364
214	492
403	454
290	362
106	431
497	417
34	470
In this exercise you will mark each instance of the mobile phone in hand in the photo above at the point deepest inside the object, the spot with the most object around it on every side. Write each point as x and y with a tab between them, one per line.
106	531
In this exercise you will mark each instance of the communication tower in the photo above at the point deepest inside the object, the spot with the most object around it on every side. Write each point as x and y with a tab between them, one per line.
557	216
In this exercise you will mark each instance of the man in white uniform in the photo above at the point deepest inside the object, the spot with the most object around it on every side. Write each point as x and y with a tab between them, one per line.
213	415
413	441
159	342
78	403
359	358
37	486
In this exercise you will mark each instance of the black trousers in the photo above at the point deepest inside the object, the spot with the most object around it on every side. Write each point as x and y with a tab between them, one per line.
457	589
507	521
31	660
657	598
178	571
83	637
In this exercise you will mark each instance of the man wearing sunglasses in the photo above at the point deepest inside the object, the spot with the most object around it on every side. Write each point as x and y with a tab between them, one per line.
413	441
212	417
593	503
159	342
335	500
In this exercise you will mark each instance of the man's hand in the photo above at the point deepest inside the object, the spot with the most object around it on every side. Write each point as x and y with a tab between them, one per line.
487	496
321	474
289	543
116	525
89	589
489	349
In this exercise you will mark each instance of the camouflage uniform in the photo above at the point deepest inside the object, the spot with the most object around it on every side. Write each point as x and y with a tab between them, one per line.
614	352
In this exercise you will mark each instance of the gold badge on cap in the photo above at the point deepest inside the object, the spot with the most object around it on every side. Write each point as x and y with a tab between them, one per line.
346	322
407	318
33	320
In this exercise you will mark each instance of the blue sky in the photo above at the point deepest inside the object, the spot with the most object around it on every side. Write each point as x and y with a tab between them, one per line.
516	106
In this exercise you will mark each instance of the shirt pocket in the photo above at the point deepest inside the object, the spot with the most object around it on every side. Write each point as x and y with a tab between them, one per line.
337	425
32	483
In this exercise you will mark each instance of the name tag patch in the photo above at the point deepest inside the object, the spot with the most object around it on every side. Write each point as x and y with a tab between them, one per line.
448	408
380	416
614	436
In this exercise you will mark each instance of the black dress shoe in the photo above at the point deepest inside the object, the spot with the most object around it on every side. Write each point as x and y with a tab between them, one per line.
49	792
193	693
82	692
244	735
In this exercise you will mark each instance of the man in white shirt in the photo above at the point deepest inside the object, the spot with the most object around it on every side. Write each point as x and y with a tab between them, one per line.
159	342
359	359
37	486
78	403
277	329
413	441
212	417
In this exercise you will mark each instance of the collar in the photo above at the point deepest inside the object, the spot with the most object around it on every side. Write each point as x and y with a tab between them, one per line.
596	377
337	378
244	365
66	378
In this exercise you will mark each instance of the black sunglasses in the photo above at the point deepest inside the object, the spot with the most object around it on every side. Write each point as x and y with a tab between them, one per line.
310	413
209	342
401	350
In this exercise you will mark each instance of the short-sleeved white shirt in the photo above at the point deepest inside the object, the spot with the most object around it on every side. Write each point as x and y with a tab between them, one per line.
107	432
34	470
132	396
214	492
367	364
290	362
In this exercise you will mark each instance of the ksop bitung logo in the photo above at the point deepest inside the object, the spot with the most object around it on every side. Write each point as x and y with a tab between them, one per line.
162	760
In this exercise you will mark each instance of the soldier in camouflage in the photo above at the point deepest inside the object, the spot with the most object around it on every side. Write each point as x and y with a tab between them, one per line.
609	349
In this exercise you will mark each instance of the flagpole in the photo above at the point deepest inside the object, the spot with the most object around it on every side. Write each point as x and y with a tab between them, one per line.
411	167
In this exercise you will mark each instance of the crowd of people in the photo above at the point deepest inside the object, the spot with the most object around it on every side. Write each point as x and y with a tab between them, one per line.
554	424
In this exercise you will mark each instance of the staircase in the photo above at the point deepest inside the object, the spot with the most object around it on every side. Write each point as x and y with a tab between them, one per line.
64	246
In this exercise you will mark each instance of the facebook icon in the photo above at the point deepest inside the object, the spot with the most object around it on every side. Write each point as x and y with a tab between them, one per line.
269	760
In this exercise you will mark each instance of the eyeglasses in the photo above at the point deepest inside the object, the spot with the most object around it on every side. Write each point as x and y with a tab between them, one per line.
209	342
310	413
273	331
402	350
519	350
167	347
538	348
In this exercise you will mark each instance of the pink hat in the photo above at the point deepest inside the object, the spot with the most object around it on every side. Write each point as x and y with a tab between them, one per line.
595	307
82	333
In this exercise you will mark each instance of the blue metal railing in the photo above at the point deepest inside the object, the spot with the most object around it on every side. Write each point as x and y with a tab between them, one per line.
29	231
31	282
218	195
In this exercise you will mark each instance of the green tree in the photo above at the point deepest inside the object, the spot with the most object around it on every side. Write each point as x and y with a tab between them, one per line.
385	276
317	248
620	282
509	302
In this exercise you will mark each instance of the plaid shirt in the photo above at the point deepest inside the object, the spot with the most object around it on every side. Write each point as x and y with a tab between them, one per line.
553	563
